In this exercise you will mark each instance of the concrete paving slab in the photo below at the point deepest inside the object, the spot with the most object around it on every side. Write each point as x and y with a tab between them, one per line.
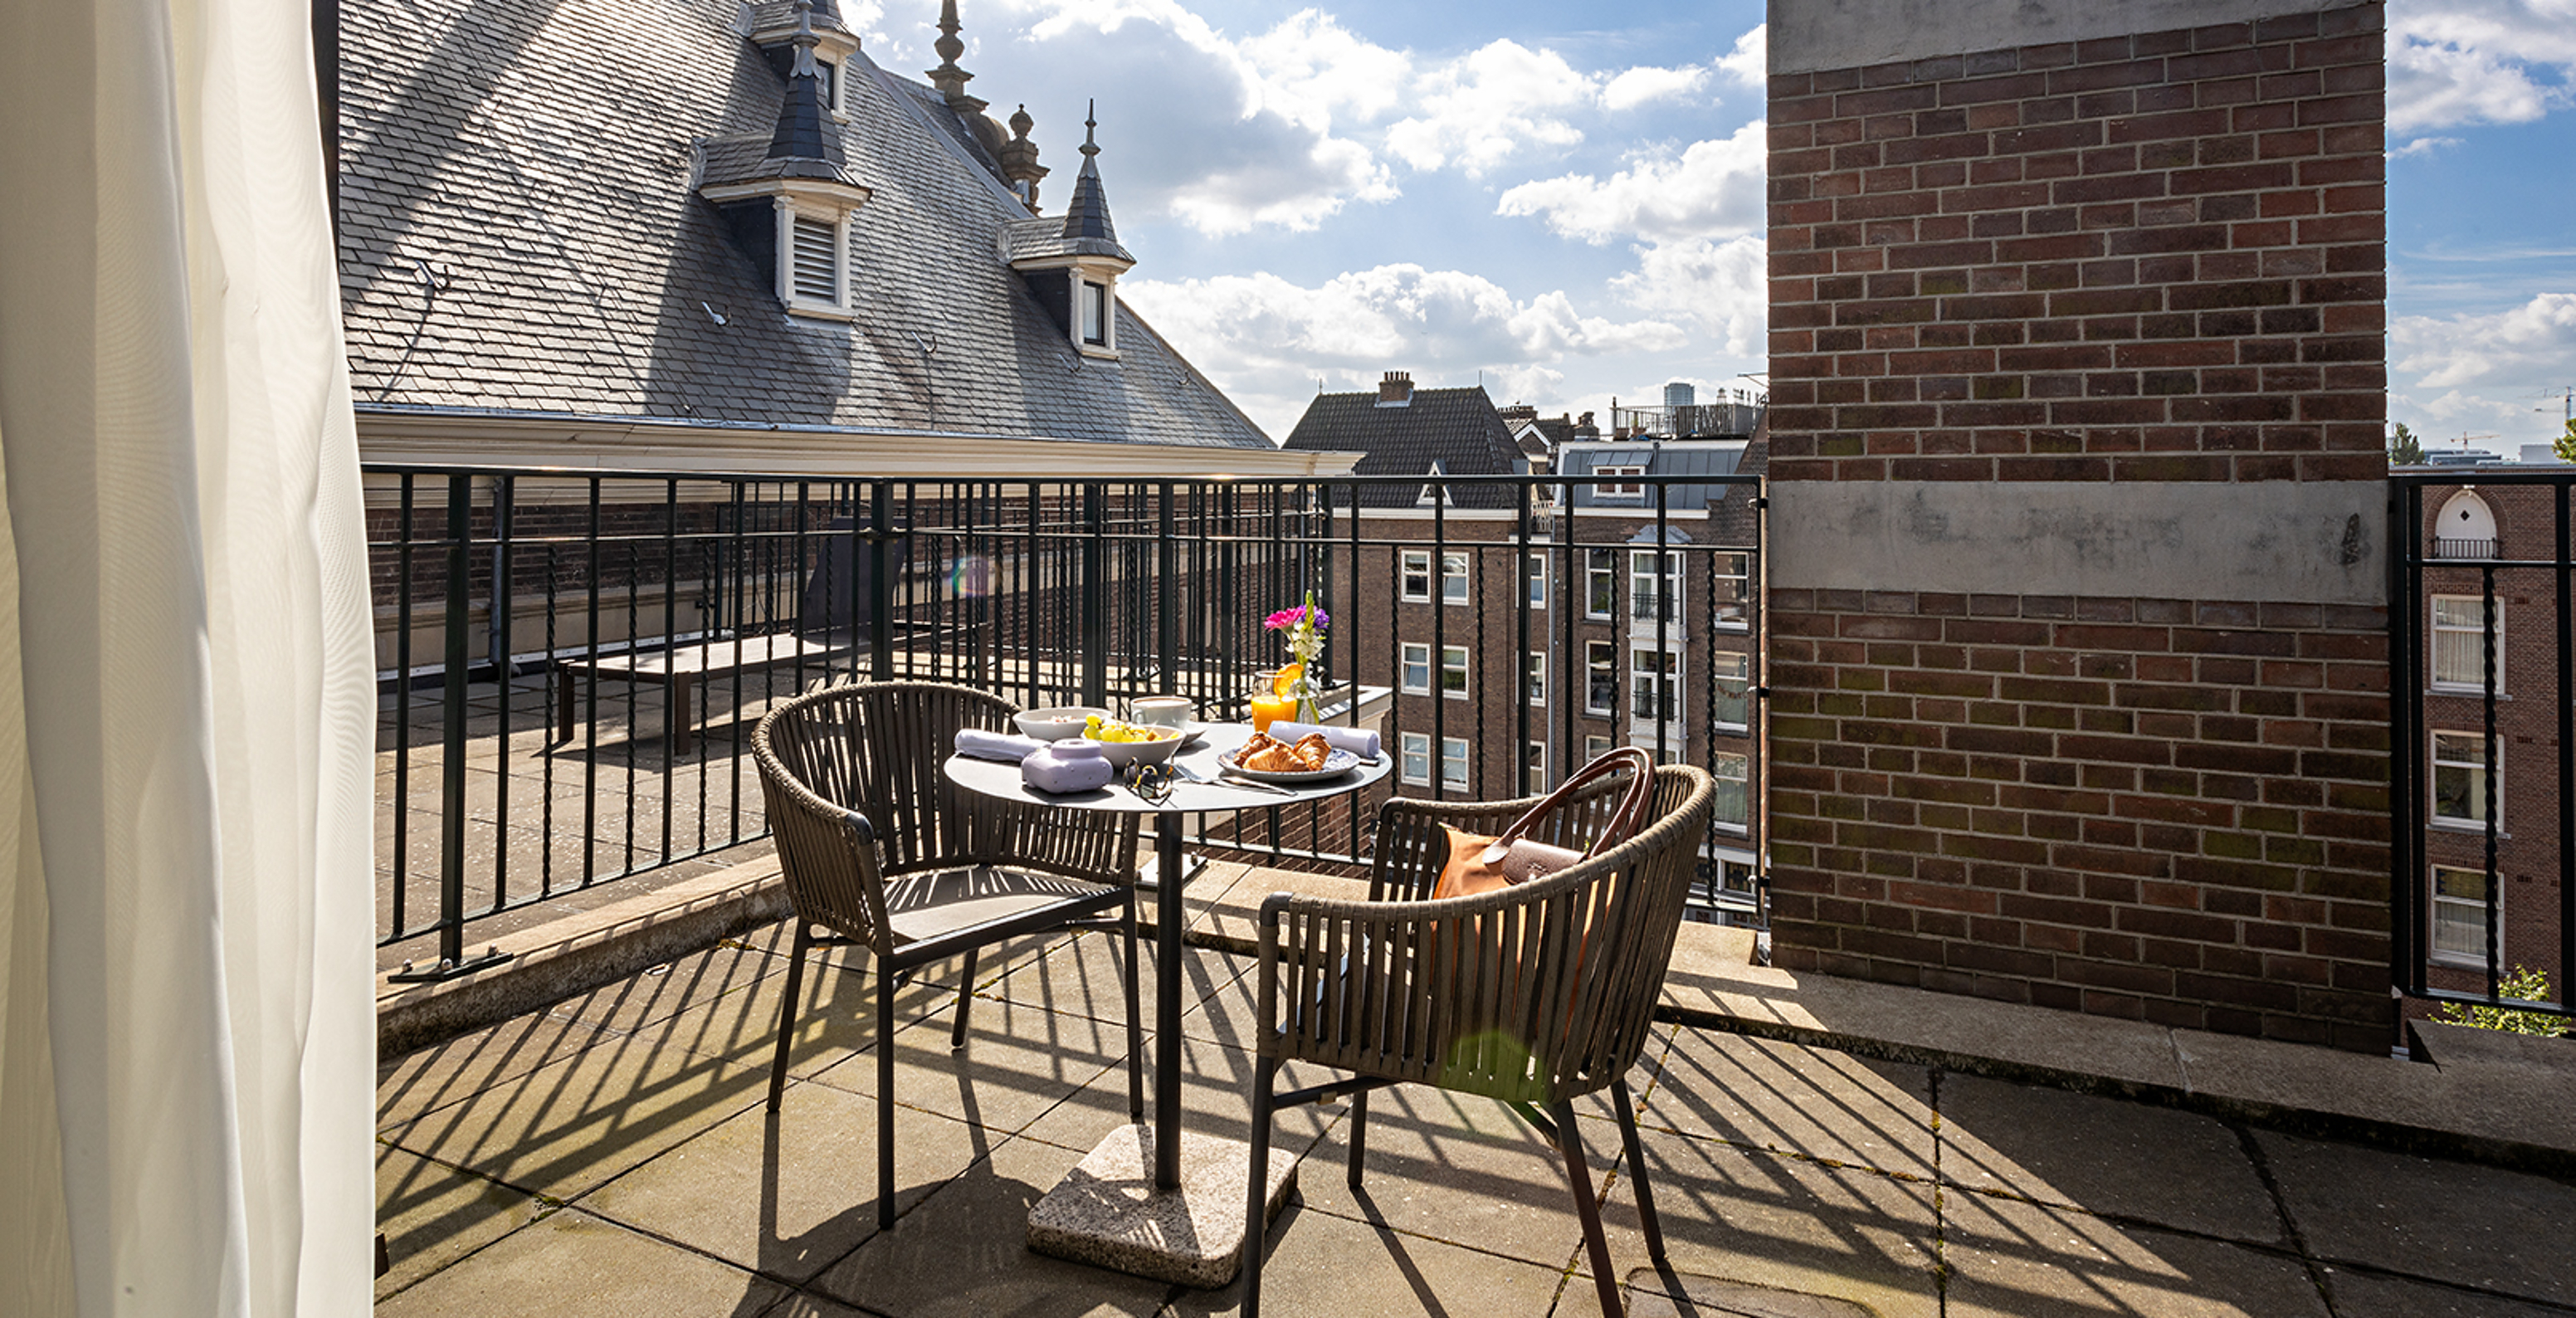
2513	1115
666	990
2133	1160
1844	1233
573	1263
835	1021
1081	976
1216	1099
2010	1259
572	1124
2361	1295
2455	1222
1787	1098
1651	1296
1321	1264
790	1194
431	1078
1459	1169
432	1215
1016	1066
962	1252
802	1305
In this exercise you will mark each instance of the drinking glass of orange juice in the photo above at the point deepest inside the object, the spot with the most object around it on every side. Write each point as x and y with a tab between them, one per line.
1270	698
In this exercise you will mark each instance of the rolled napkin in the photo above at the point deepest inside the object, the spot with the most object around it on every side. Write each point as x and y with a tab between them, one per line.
1072	765
1358	741
976	743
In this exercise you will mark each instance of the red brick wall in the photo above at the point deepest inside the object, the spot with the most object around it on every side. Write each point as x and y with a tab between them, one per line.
2145	259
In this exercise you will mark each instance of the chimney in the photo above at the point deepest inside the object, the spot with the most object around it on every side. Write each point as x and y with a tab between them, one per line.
1396	390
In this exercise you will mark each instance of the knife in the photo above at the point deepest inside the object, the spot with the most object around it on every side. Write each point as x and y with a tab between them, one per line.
1226	778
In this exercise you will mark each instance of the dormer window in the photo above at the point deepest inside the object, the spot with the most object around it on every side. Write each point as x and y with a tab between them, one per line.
1095	313
818	262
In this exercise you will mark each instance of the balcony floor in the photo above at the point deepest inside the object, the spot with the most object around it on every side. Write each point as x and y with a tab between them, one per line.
612	1156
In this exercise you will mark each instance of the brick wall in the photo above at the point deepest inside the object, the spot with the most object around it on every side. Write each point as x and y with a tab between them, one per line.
2137	261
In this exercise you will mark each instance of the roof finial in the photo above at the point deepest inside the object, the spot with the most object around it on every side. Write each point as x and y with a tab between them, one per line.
1087	215
948	78
1019	160
805	42
1090	128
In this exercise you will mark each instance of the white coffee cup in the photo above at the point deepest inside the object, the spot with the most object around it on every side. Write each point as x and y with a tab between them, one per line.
1160	711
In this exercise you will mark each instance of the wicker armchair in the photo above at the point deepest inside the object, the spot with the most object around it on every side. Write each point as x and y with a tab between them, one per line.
1533	995
881	851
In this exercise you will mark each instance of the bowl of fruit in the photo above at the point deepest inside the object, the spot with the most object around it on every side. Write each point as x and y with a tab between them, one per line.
1131	743
1058	722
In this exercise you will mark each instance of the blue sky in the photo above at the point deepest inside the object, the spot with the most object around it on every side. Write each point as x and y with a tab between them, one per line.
1565	200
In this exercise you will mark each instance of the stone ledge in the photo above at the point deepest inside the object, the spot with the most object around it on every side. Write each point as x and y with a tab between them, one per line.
581	952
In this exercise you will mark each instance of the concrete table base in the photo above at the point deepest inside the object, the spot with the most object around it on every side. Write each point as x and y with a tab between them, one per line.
1106	1212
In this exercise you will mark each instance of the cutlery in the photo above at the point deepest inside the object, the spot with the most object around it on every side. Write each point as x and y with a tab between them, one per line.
1227	778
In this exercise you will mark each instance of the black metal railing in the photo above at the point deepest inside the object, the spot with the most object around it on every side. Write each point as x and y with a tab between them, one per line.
2482	762
572	662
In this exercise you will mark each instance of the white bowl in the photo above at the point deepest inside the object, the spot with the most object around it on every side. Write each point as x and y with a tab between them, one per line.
1056	722
1126	753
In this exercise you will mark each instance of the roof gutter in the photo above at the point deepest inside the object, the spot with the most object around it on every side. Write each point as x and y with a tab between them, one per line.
495	437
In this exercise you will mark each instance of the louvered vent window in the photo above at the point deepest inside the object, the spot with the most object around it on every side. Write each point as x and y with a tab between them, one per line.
817	269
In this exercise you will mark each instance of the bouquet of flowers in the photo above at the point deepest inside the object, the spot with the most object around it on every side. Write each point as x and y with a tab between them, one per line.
1303	626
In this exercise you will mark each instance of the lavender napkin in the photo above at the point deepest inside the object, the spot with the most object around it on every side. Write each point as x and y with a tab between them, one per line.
1358	741
976	743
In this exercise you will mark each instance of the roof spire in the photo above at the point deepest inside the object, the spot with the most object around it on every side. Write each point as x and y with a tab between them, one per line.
800	134
1087	216
948	78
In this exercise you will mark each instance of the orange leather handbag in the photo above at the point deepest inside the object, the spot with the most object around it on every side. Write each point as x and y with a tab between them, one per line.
1480	864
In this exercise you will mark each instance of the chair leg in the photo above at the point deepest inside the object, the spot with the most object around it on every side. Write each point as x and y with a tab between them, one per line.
1135	1030
1359	1138
1579	1177
885	1102
787	1013
1646	1217
1256	1213
965	996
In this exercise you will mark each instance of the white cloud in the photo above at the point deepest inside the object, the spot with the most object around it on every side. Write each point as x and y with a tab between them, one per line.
2423	146
1721	287
2494	372
2478	61
1712	189
1480	110
1750	61
1266	340
1644	84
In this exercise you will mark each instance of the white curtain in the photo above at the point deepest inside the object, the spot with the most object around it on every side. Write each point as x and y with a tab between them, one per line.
186	707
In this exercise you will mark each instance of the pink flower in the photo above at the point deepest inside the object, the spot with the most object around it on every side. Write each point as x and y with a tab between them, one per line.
1291	616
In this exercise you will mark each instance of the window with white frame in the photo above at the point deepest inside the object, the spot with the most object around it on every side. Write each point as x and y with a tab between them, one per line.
1534	677
1416	678
1594	747
1600	678
1728	587
830	74
1453	671
1611	488
1416	575
1453	577
2460	643
1654	679
1534	769
1654	595
1536	574
2459	916
1416	756
1730	674
2460	779
1733	806
1600	583
1453	763
1095	313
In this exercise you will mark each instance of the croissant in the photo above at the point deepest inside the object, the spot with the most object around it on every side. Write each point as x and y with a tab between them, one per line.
1312	750
1268	755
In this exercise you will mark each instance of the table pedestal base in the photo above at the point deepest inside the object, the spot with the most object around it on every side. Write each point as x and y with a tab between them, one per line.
1106	1212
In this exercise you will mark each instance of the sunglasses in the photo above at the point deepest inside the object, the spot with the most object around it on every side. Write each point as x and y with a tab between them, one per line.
1152	783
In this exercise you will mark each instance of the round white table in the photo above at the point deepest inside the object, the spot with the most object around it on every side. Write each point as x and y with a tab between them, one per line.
1074	1220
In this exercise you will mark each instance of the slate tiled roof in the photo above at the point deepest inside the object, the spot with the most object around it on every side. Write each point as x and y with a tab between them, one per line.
520	230
1458	428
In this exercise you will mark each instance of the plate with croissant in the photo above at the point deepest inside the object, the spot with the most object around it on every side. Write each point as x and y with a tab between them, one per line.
1306	760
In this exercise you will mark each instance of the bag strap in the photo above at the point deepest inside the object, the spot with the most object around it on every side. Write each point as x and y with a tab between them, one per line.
1624	818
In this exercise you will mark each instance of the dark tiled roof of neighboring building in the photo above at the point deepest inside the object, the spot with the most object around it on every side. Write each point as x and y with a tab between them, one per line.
521	230
1458	428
